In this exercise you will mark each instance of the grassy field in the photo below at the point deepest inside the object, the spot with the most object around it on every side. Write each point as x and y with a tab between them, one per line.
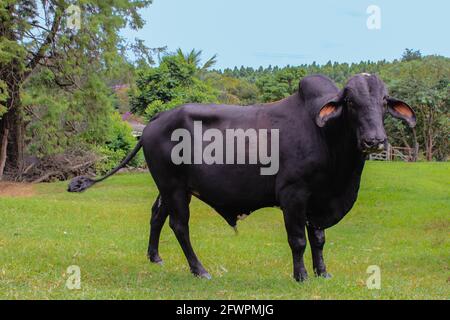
401	223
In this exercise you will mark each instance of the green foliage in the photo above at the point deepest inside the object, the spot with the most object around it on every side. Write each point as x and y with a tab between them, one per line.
279	85
271	89
158	106
160	82
96	102
338	72
46	128
59	119
233	90
411	54
3	97
194	58
172	83
121	142
117	143
85	118
61	72
120	137
425	85
108	159
12	52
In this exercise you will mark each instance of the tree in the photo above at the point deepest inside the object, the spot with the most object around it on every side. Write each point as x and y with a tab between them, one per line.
175	81
194	58
425	85
233	90
43	35
410	54
281	84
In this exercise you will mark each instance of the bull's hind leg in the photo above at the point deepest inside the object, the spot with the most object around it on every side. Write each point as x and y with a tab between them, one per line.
179	222
159	216
317	241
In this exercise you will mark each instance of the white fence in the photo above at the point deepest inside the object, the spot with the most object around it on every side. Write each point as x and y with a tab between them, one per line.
394	154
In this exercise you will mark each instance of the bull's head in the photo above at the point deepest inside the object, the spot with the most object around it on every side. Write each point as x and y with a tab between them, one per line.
365	102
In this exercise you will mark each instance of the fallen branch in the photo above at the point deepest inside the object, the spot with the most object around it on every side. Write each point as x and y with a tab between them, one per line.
46	176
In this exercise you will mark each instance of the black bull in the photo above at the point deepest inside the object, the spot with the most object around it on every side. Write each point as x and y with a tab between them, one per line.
324	136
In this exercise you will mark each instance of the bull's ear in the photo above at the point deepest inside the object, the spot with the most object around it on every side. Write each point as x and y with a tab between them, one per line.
329	111
401	110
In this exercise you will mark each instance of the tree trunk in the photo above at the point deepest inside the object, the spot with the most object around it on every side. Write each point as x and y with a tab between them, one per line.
430	149
16	142
430	133
3	147
12	134
416	146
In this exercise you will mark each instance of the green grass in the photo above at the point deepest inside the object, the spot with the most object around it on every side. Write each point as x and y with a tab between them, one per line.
400	223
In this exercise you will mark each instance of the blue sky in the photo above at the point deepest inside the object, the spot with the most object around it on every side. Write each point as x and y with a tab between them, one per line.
263	32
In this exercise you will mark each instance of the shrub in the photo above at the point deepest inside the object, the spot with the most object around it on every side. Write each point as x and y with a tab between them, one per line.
119	143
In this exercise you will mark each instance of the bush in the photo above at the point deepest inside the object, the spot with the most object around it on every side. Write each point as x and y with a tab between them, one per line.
158	106
109	159
120	142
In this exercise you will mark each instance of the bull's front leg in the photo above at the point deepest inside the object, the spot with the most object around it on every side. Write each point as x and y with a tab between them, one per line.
317	241
293	204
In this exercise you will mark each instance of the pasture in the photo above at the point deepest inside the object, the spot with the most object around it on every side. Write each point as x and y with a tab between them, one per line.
400	223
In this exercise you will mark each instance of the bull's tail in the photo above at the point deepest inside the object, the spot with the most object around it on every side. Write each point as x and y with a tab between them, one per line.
81	183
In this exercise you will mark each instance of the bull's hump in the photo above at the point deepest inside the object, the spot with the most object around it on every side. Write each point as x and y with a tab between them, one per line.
317	86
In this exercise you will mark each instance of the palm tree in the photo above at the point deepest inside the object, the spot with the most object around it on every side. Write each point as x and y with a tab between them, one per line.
194	58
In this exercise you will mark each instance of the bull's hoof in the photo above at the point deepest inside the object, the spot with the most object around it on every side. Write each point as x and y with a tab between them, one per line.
301	277
204	275
155	258
325	275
